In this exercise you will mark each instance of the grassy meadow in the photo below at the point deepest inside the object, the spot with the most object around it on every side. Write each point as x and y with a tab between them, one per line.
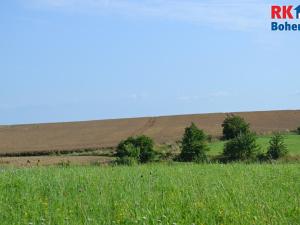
292	142
152	194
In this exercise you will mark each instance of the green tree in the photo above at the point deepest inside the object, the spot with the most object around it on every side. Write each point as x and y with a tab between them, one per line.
277	147
139	148
128	148
146	145
194	145
233	126
242	147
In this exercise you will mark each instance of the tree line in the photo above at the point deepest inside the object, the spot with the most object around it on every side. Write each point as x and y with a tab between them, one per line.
241	145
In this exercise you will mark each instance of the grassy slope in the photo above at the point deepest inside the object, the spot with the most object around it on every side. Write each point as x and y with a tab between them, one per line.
292	141
153	194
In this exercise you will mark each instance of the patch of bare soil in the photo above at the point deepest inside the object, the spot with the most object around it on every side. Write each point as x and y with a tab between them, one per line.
31	161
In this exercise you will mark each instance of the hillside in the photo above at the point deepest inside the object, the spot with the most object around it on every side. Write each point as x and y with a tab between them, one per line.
107	133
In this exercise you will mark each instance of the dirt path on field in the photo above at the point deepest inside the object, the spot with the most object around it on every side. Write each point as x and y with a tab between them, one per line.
148	125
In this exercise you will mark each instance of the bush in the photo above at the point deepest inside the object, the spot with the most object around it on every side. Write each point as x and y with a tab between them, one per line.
128	149
146	146
194	145
277	147
139	148
298	130
242	147
233	126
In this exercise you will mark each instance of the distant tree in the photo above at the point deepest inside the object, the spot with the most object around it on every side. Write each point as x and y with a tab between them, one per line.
128	148
146	145
194	145
139	148
242	147
277	147
233	126
298	130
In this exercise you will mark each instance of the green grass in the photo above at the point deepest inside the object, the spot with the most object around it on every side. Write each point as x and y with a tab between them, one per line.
152	194
292	141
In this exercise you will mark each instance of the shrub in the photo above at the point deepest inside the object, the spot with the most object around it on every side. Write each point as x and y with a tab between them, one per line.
298	130
242	147
139	148
194	145
146	146
277	147
233	126
128	149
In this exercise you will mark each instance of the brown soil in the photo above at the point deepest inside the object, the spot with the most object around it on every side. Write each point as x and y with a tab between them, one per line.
31	161
39	138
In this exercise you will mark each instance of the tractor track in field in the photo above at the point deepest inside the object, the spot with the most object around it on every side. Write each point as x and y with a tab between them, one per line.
149	123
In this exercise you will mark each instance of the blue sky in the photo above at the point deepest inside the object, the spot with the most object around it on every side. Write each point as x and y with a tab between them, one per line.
66	60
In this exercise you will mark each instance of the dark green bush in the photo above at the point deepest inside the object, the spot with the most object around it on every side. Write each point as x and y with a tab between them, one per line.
194	145
277	147
233	126
298	130
146	146
139	148
242	147
127	148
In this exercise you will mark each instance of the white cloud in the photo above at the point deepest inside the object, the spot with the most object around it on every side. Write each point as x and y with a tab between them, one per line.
233	15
